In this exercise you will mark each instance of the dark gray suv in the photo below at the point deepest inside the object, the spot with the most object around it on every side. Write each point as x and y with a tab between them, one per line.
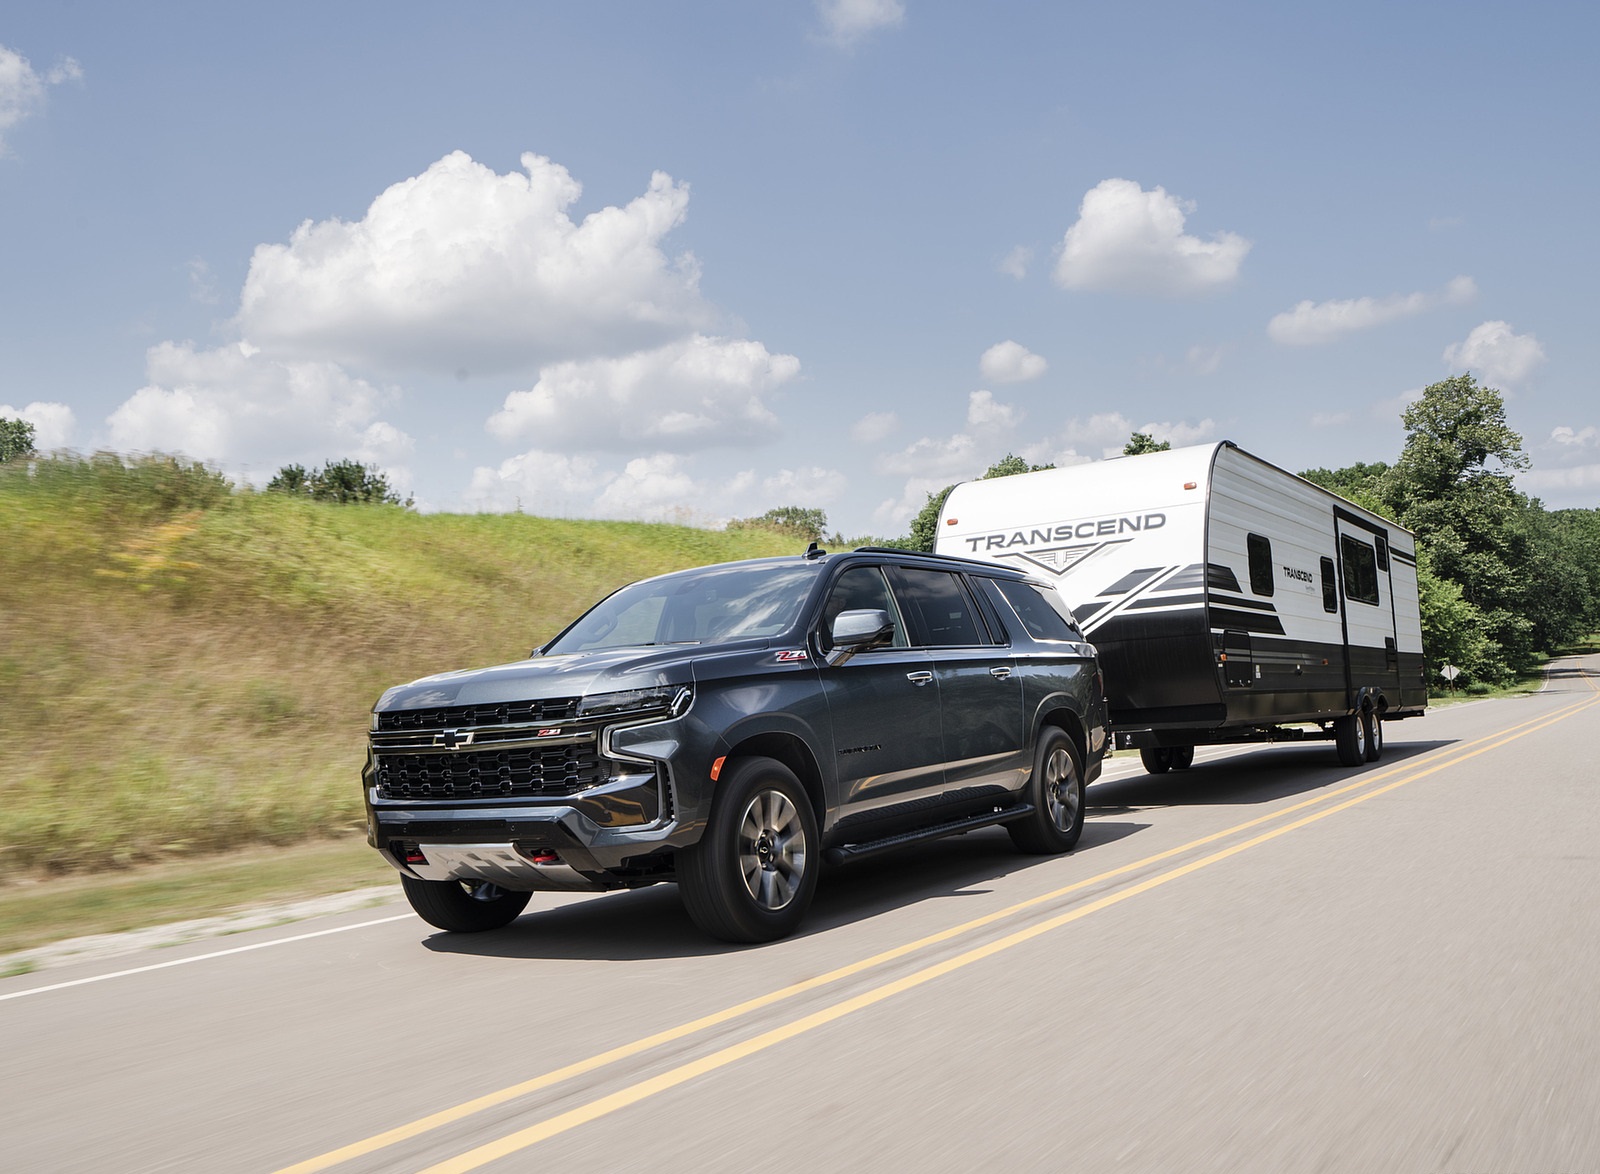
731	728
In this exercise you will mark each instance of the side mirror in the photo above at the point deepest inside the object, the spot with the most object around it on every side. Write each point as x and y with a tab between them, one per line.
856	631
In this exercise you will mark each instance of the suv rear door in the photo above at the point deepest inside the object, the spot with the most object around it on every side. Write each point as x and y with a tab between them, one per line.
980	693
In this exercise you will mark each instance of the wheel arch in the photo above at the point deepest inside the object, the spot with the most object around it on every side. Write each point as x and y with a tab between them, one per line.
794	753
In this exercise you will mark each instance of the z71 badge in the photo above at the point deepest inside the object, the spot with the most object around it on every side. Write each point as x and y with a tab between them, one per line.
789	654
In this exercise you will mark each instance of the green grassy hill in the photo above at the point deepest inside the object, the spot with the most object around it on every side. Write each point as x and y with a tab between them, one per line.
185	668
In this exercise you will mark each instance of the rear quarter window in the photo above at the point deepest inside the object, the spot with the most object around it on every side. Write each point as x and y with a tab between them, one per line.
1040	610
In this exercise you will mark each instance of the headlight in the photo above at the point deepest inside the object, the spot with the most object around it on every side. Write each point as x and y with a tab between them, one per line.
665	699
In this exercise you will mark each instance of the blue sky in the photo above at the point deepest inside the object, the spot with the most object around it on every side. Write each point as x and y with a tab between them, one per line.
699	260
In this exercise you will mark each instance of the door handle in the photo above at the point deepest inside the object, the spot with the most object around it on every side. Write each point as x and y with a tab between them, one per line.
919	679
1000	672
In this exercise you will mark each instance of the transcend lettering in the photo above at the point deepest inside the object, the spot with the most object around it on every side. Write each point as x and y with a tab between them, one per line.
1066	531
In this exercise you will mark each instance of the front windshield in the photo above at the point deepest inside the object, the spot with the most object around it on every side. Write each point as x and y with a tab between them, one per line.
707	606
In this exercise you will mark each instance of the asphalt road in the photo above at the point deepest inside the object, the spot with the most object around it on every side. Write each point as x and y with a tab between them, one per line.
1265	963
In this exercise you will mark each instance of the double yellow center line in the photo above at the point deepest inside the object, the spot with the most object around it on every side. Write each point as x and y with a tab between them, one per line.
1326	803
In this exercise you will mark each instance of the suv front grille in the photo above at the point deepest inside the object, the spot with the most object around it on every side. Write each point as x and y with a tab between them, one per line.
490	774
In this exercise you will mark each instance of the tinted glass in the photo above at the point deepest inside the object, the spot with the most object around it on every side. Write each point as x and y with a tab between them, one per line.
859	589
1330	589
1042	612
1360	569
939	605
706	606
1260	563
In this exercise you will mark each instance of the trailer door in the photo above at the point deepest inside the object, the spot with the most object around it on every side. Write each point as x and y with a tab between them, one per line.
1369	622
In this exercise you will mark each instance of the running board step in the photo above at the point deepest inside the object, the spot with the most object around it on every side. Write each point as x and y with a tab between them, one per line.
872	847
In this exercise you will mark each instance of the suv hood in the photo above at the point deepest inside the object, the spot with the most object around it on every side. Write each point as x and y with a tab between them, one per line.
541	677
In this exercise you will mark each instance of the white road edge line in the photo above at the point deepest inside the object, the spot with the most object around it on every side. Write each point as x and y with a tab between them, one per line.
58	986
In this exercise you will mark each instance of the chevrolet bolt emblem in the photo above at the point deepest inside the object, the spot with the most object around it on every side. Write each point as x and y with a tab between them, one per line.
452	739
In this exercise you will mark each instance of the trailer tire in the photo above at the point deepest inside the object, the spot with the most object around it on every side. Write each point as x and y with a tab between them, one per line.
1157	759
1374	720
1182	757
1350	736
1057	792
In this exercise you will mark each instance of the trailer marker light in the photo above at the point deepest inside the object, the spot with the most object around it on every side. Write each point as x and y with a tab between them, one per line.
951	521
1191	485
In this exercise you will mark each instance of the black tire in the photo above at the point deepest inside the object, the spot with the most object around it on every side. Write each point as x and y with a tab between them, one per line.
1374	722
752	875
1057	793
464	906
1182	757
1350	736
1157	759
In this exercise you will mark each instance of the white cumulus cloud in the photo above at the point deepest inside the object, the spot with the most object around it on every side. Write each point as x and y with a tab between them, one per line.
234	407
1011	362
1496	353
53	424
1016	262
1562	434
696	393
1130	240
845	22
22	89
1310	323
873	427
461	269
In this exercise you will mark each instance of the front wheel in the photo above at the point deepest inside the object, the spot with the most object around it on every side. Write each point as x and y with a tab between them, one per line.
751	876
1350	736
1057	793
464	906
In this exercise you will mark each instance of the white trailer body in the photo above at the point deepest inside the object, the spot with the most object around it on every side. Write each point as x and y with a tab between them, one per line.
1228	597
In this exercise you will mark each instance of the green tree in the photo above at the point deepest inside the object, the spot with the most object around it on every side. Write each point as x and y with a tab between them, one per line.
337	481
1143	442
925	526
16	439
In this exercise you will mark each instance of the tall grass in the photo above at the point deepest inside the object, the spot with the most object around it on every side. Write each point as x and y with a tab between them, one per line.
187	668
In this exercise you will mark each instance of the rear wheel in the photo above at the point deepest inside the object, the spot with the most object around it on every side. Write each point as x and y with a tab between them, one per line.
464	906
1157	759
751	876
1056	790
1350	736
1374	721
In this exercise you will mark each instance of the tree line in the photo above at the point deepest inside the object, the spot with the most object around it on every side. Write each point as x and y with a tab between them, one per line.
1501	579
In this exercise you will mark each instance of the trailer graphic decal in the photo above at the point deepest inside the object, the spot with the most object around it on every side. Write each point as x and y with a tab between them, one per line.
1059	560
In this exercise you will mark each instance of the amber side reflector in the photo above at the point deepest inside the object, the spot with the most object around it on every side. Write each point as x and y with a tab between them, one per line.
951	521
1191	485
716	768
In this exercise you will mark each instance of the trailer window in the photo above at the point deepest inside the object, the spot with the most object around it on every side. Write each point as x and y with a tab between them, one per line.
1360	570
1383	553
1260	550
1330	587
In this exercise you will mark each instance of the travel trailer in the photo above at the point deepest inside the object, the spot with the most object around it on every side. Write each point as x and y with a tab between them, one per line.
1231	601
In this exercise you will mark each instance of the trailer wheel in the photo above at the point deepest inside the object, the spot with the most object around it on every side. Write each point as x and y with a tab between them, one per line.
1182	757
1157	759
1374	721
1350	736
